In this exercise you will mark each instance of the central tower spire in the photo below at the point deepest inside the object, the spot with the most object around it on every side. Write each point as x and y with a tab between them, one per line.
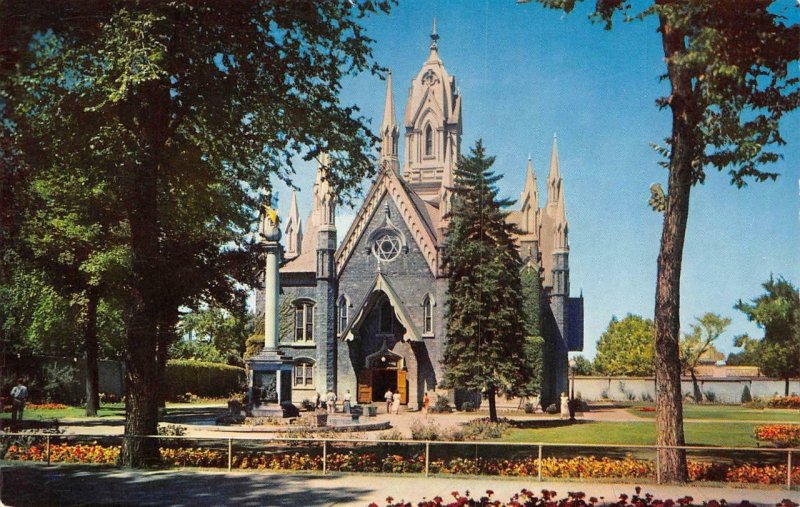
432	127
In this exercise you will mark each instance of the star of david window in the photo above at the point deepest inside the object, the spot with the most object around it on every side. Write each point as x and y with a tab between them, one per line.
387	246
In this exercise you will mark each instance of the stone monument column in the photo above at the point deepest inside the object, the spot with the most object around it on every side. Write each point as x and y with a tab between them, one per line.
270	370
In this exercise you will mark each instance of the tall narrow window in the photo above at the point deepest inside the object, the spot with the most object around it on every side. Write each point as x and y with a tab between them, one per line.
304	374
303	321
386	317
343	313
428	140
427	315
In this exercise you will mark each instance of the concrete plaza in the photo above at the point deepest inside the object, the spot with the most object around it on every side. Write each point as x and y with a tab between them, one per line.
38	484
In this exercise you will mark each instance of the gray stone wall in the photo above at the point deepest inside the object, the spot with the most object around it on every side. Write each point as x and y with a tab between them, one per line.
726	390
412	279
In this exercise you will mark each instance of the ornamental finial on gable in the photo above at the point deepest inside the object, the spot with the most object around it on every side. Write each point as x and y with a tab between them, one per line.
434	37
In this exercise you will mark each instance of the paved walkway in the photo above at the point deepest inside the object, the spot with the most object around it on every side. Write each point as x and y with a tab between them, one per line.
67	485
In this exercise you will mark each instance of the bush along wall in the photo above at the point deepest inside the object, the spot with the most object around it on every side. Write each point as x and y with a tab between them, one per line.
211	380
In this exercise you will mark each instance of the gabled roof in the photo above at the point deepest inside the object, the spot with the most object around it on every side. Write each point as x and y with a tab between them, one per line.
381	284
415	214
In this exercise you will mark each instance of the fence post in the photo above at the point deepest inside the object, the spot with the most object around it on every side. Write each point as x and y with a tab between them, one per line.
230	453
540	463
789	470
48	449
658	465
324	456
427	457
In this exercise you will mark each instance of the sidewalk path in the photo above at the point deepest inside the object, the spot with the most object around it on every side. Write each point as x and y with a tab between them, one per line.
36	484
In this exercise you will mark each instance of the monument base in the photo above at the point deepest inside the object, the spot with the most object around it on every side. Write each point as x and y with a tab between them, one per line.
269	383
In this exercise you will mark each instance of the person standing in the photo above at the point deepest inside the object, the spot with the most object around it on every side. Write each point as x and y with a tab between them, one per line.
317	398
388	397
426	402
346	402
330	400
19	394
396	403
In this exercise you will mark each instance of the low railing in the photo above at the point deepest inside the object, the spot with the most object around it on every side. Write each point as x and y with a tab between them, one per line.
350	455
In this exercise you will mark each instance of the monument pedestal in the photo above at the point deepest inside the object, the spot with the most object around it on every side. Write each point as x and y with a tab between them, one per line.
269	383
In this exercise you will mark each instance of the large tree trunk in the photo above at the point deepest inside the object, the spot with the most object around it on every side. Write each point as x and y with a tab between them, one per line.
490	393
698	395
141	365
90	343
669	403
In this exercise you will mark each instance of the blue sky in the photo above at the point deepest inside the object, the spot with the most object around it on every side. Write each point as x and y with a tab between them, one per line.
526	73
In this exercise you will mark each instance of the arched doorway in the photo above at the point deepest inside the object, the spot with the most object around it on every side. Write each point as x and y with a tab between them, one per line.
383	370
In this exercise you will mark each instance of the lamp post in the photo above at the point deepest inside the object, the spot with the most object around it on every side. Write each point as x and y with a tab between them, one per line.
572	365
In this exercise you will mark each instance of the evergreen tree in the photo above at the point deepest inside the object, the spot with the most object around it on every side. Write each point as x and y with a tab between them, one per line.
535	346
485	327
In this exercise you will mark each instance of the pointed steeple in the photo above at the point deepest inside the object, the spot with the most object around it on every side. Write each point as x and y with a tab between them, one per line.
554	178
390	132
434	55
294	230
530	203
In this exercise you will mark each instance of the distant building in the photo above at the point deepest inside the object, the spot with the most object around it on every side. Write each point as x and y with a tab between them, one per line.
369	315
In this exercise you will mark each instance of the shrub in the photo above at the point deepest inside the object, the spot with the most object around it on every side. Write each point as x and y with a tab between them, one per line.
467	406
530	408
172	430
441	405
391	435
604	394
552	409
307	405
784	402
425	430
484	429
711	396
781	435
646	397
60	383
202	378
746	396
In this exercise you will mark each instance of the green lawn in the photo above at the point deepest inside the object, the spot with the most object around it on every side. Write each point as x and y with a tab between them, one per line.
636	433
116	409
729	413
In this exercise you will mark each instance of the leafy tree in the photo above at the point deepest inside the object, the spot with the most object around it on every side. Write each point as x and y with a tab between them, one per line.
190	107
212	334
486	344
777	312
583	366
727	63
698	344
748	356
626	347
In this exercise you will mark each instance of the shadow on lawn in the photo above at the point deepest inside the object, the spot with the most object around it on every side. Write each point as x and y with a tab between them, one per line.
93	485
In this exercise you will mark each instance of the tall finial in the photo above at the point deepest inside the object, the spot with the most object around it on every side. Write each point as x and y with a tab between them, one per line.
529	156
434	37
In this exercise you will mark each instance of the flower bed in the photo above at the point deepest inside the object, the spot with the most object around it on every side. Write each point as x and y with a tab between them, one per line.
45	406
526	498
552	468
784	402
781	435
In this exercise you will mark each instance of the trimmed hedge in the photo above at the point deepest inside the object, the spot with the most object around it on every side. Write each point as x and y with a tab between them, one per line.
211	380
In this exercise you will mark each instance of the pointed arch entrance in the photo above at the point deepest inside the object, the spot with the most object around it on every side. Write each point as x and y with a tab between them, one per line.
383	370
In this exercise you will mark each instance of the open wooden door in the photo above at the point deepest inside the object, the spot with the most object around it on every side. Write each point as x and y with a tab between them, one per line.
402	386
365	386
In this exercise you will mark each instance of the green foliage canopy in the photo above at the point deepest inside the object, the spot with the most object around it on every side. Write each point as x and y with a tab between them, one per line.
626	347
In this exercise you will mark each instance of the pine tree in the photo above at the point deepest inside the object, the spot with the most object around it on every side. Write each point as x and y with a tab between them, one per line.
485	327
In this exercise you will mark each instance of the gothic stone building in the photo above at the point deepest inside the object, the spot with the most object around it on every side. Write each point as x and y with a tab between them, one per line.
369	315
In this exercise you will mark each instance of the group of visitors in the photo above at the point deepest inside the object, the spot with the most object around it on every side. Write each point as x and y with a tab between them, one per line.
331	399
